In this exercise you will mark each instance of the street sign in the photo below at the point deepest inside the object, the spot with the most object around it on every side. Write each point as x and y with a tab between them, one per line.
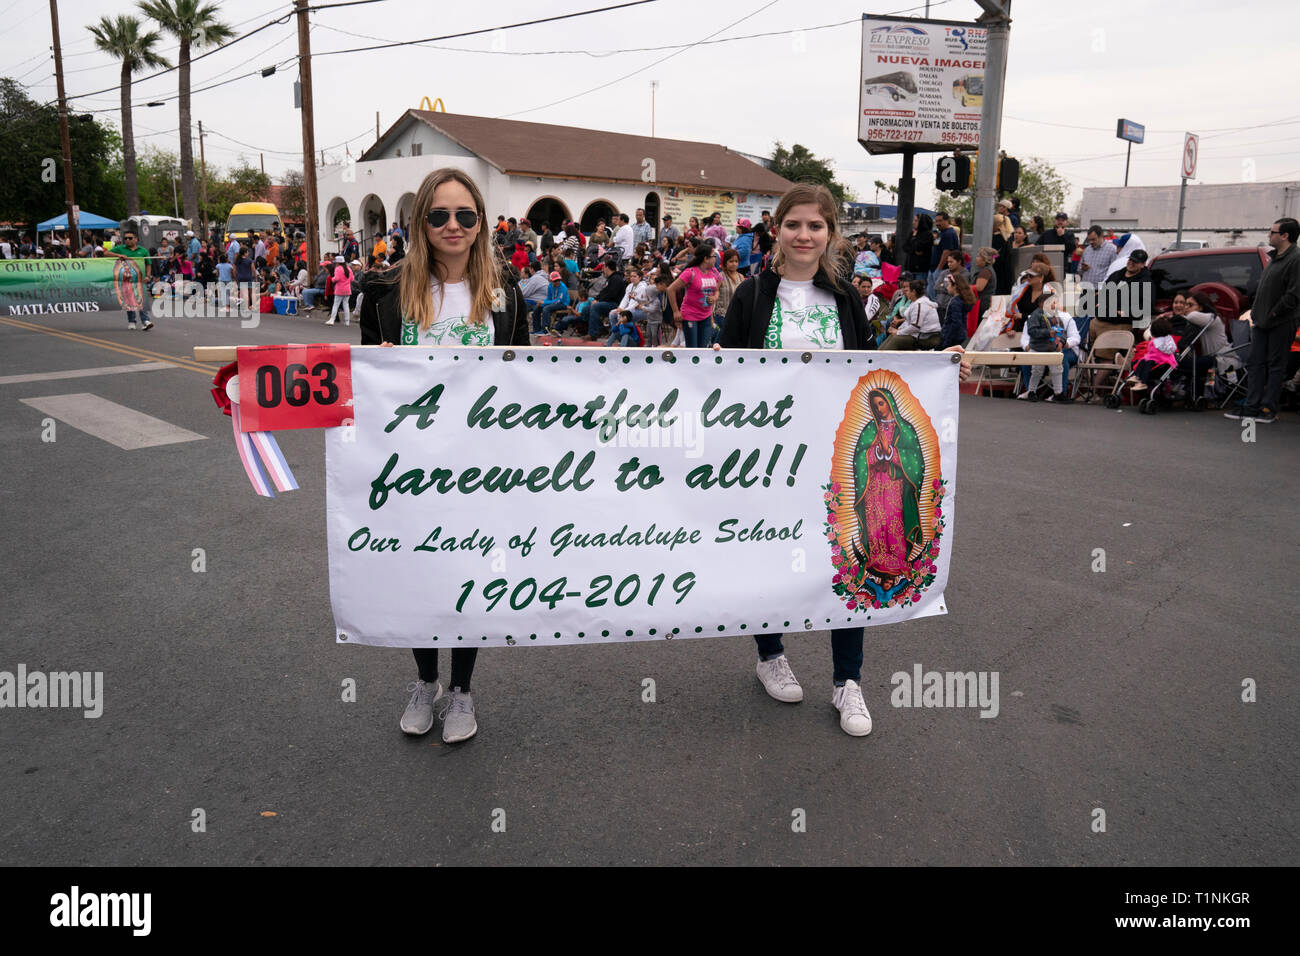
1131	131
1191	146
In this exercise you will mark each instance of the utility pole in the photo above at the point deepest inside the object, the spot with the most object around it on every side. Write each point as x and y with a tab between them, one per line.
309	136
74	233
997	19
906	207
654	85
203	188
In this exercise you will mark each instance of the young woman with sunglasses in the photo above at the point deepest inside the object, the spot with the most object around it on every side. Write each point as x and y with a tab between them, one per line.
442	293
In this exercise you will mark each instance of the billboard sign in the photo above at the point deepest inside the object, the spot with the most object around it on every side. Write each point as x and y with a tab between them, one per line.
922	84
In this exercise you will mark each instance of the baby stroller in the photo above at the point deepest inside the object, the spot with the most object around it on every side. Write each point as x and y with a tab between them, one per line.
1174	384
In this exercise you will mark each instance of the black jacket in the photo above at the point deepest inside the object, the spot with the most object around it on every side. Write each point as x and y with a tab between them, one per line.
614	288
1277	299
751	312
381	316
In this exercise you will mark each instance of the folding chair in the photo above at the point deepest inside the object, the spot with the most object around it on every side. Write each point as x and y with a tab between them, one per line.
1000	378
1093	368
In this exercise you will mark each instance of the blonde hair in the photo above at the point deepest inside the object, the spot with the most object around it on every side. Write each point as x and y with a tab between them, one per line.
831	262
420	264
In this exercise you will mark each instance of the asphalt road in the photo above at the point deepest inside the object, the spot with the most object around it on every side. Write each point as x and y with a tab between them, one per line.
1119	691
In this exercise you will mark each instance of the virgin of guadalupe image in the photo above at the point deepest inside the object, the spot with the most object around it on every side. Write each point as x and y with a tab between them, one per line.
888	474
128	283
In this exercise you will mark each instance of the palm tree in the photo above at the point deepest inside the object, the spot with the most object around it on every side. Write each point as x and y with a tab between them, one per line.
879	184
194	23
122	38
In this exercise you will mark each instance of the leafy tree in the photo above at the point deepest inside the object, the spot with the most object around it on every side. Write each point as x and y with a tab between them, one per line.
31	155
293	196
123	39
799	165
242	183
195	24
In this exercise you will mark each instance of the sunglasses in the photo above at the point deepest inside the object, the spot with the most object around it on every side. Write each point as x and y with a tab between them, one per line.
467	218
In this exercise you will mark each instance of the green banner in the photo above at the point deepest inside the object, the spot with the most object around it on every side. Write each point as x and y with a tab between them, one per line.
38	287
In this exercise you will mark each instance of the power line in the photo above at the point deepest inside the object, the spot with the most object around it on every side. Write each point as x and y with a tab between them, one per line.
470	33
601	54
648	66
664	59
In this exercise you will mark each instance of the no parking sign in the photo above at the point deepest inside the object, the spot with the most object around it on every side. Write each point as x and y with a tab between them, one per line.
1191	146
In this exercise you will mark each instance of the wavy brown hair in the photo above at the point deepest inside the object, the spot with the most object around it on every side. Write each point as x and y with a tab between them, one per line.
964	290
805	193
421	263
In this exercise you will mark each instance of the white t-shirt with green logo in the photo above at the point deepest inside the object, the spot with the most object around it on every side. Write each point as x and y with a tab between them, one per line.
451	324
804	317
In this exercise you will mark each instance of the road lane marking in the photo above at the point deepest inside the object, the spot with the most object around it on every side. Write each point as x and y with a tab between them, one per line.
190	364
116	424
84	373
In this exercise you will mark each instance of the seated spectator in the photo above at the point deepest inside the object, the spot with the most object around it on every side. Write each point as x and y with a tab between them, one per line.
919	326
1154	353
606	300
576	314
1053	330
557	297
314	293
1210	347
533	288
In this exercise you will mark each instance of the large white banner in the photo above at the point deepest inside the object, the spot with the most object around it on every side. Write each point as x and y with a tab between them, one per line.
558	496
922	84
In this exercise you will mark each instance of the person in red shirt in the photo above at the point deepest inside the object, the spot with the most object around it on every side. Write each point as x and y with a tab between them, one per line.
520	256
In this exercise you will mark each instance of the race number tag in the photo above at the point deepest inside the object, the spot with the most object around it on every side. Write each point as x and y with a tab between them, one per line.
294	386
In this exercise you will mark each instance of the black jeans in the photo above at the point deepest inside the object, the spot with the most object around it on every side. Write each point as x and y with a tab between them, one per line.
462	665
846	651
1267	364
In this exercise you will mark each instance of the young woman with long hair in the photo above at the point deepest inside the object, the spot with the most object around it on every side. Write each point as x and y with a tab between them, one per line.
804	302
697	286
442	293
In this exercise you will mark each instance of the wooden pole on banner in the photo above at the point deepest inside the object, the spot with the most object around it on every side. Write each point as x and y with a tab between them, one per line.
226	353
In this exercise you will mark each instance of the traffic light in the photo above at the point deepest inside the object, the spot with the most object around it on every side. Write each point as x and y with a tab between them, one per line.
953	174
1008	174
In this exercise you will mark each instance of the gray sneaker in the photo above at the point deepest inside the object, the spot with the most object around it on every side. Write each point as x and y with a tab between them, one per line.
418	717
779	680
457	715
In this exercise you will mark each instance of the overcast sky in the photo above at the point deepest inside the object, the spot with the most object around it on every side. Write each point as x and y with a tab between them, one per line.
1074	68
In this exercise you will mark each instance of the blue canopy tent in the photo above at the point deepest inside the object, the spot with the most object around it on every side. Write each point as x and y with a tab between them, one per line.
85	220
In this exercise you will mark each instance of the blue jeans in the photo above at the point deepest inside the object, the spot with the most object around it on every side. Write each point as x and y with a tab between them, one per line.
597	315
697	334
309	296
614	337
542	317
134	316
846	651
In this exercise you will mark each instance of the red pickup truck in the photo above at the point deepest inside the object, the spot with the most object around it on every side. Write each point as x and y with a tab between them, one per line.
1228	276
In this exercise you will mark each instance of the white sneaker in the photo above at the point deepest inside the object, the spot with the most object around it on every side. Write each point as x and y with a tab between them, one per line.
458	717
779	680
130	326
854	719
418	718
329	321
